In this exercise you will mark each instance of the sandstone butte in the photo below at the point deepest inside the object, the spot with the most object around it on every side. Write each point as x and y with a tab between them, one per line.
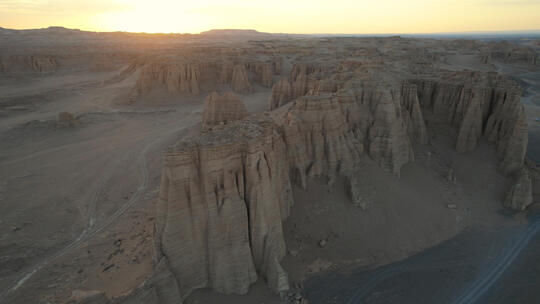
225	194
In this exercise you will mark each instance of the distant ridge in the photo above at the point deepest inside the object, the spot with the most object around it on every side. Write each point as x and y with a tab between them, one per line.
254	34
233	32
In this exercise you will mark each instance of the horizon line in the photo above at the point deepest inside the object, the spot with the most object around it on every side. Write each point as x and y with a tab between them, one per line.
472	32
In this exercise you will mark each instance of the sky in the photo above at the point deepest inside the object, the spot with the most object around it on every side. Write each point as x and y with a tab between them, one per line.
276	16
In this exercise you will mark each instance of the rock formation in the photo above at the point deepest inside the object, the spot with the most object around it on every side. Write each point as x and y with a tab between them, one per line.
480	104
301	82
520	195
181	77
221	109
222	200
413	116
264	71
223	196
281	94
239	79
192	76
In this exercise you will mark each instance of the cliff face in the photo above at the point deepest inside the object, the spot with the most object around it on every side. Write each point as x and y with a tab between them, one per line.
281	94
192	76
476	105
177	78
284	91
221	109
265	71
327	133
239	79
224	196
222	200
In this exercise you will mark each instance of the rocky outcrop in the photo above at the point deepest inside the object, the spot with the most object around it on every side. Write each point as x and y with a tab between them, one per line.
192	76
283	91
281	94
264	71
223	196
301	82
222	200
520	195
412	114
226	73
221	109
480	105
239	79
176	78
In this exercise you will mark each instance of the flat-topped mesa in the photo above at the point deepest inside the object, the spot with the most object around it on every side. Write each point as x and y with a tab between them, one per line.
222	200
222	109
480	104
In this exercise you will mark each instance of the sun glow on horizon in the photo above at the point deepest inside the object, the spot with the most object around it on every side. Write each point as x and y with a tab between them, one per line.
287	16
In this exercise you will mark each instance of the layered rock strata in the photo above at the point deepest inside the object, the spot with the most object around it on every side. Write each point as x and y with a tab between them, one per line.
480	105
281	94
222	200
192	76
239	79
221	109
177	78
223	196
265	71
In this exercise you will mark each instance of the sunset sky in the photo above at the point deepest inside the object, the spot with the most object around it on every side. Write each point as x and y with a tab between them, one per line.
290	16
